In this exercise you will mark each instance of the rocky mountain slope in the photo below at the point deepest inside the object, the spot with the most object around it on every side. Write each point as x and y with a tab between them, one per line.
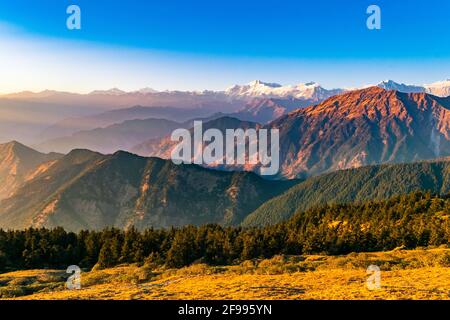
363	127
163	147
18	164
264	110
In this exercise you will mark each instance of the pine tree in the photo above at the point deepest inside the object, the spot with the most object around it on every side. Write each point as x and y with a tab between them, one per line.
107	258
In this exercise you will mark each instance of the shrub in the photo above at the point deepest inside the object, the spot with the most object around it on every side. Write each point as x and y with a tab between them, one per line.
444	260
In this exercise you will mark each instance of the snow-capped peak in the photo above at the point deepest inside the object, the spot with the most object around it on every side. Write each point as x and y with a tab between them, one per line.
146	90
439	88
392	85
259	83
257	88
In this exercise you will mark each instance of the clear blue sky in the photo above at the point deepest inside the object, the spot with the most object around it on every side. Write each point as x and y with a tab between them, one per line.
210	44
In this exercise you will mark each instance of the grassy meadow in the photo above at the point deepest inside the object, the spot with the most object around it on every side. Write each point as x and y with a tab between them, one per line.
422	273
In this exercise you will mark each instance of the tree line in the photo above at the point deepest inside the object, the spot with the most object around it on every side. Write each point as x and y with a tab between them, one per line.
416	219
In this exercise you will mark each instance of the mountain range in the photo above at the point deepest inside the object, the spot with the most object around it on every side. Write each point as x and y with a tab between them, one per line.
70	126
120	136
335	146
353	129
305	91
439	88
266	102
35	117
315	92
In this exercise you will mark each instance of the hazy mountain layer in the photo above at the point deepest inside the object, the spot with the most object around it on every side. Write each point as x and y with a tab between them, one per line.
67	127
115	137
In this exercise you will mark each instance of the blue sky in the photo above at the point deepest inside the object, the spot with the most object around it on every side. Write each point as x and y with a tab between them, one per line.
190	45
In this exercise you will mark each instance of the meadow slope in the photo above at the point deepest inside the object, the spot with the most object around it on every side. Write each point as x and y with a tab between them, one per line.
414	274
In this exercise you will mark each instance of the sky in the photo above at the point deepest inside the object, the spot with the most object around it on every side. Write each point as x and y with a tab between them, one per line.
198	45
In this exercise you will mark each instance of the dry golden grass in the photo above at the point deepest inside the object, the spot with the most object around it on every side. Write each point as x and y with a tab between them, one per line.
415	274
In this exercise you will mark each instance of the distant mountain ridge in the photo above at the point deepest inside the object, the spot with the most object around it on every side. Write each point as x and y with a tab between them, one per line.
305	91
110	139
70	126
32	117
122	136
439	88
256	88
392	85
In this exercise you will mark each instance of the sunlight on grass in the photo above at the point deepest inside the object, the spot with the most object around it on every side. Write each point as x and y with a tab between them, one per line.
414	274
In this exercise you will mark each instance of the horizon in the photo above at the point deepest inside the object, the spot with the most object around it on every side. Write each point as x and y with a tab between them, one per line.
165	46
223	90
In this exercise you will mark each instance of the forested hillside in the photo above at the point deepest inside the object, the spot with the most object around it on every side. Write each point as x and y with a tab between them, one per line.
366	183
417	219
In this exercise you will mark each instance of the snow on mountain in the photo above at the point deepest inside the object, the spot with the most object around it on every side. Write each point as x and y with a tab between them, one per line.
440	88
257	88
254	88
146	90
392	85
110	92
